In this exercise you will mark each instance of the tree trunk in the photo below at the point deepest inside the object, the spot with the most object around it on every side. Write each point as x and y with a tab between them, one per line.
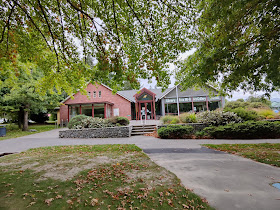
20	118
25	120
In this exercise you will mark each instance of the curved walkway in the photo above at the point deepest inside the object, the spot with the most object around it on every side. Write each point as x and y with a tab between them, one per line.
226	181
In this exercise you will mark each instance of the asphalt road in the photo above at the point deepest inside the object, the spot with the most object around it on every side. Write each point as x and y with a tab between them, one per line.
226	181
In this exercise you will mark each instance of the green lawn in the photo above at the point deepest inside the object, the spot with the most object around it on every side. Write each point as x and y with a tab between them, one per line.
83	177
14	133
264	153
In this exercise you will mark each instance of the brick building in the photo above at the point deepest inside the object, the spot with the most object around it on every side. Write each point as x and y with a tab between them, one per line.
100	101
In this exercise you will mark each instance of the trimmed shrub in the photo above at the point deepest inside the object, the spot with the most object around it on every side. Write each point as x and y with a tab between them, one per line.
217	118
246	115
76	122
96	122
83	121
265	112
188	118
175	120
175	131
119	121
167	119
246	130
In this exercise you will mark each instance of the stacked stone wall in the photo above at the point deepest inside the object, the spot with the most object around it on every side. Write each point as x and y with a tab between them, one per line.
112	132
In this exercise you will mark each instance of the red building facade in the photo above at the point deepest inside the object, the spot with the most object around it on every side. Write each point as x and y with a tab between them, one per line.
99	102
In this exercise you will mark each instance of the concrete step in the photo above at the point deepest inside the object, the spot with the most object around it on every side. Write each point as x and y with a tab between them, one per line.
146	129
142	129
143	126
139	133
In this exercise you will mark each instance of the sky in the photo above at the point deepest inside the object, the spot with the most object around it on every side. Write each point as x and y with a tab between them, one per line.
235	95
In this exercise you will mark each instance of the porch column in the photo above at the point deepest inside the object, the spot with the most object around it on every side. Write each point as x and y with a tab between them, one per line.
146	110
105	106
162	107
207	103
80	109
68	117
154	100
92	110
192	105
139	114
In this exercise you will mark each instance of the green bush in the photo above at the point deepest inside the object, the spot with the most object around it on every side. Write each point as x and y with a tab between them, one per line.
76	122
266	112
246	130
96	122
175	120
200	134
188	118
83	121
167	119
119	120
175	131
236	104
217	117
246	115
12	127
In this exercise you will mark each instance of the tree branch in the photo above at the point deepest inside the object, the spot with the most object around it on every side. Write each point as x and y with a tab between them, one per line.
7	25
147	32
82	35
32	21
53	40
92	20
174	10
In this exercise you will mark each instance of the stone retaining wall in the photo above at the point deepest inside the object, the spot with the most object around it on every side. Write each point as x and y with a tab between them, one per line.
111	132
196	126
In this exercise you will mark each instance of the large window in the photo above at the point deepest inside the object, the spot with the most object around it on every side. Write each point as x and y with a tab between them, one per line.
87	110
185	107
171	109
213	105
99	110
199	106
74	110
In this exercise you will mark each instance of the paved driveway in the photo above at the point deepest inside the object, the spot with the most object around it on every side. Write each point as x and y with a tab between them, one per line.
226	181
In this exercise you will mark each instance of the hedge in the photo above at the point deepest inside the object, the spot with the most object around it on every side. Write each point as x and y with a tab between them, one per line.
246	130
175	131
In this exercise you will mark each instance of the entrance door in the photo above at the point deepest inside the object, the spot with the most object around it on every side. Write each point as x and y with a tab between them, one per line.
146	110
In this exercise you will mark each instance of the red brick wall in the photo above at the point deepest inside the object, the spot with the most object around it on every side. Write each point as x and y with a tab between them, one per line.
106	95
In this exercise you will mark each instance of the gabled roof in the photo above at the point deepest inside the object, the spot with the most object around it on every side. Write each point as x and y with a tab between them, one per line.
130	93
123	96
144	90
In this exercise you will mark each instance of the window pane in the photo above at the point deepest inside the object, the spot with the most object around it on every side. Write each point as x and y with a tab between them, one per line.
171	109
99	94
74	110
199	106
185	107
87	110
213	105
99	110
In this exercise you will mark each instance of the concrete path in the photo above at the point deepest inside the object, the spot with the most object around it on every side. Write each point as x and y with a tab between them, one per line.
226	181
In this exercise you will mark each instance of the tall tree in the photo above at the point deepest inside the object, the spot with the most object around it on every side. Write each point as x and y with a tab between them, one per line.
238	44
21	94
129	38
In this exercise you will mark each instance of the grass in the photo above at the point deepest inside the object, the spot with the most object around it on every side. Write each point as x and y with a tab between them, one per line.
264	153
83	177
14	133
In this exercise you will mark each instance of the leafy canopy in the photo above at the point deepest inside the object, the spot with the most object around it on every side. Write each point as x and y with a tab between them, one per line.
128	39
237	43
